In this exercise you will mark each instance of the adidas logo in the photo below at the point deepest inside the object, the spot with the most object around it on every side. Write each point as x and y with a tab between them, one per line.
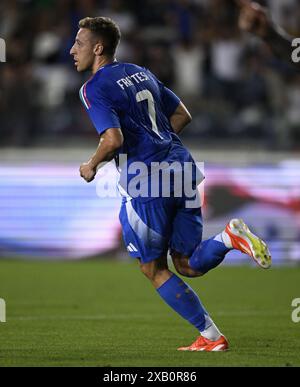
131	247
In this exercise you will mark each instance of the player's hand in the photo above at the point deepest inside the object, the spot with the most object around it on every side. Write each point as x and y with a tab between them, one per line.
253	18
87	172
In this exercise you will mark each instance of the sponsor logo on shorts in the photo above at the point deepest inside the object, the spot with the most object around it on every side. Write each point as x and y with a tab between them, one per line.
131	248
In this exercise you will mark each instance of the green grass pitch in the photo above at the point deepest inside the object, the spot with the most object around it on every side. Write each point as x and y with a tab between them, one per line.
105	313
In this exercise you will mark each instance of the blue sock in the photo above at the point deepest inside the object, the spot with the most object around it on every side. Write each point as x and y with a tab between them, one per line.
179	296
208	254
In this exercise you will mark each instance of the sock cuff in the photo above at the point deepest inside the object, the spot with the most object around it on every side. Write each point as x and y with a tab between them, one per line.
172	280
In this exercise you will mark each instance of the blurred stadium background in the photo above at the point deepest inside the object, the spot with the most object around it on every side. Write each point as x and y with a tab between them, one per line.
246	125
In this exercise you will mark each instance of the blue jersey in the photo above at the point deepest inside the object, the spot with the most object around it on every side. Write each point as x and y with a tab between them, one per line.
130	97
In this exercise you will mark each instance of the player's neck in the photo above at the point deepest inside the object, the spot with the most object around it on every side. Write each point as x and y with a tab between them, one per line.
100	62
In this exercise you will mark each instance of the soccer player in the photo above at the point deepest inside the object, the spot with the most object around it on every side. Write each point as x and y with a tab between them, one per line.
254	18
136	115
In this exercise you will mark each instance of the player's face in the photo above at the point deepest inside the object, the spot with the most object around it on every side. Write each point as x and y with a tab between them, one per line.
83	50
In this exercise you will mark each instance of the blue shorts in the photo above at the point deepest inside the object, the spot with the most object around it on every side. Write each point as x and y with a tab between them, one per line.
151	228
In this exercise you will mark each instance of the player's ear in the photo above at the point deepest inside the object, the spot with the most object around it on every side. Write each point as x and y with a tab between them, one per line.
98	49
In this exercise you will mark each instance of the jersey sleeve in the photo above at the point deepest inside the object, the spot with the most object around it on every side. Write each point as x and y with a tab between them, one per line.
100	109
170	100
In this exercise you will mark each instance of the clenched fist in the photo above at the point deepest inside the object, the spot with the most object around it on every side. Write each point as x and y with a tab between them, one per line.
87	172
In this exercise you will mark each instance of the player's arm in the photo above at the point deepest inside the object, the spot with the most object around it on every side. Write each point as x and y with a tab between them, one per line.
103	114
110	141
254	18
174	109
180	118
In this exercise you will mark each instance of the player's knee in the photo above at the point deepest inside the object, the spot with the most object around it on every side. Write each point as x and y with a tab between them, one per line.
184	271
182	266
145	270
149	272
188	272
152	270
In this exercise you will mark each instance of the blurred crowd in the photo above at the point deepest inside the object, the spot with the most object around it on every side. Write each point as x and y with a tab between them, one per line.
236	90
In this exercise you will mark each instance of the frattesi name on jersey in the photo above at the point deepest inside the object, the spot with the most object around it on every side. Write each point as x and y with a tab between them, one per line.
137	77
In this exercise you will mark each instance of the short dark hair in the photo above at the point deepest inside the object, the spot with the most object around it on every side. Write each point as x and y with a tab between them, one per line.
106	29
